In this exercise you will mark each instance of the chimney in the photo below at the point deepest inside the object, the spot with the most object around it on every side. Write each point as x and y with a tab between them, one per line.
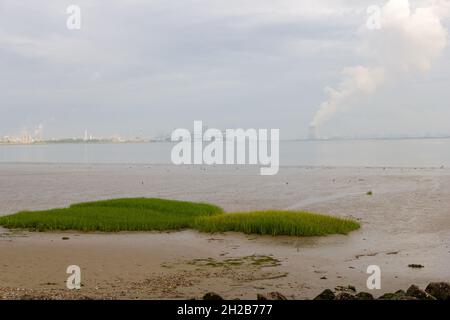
312	133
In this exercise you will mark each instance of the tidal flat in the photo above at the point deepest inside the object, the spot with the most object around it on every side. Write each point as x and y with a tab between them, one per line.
405	220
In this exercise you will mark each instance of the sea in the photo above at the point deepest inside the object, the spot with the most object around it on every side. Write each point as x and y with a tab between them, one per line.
429	153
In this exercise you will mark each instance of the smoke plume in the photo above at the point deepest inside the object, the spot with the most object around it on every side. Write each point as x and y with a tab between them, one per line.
407	42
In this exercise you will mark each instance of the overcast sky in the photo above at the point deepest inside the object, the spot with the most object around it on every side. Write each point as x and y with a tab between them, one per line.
140	67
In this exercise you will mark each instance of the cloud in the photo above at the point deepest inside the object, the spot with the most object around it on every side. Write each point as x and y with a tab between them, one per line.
151	66
408	42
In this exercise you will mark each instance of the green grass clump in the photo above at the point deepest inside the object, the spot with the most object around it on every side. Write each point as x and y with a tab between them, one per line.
143	214
114	215
276	223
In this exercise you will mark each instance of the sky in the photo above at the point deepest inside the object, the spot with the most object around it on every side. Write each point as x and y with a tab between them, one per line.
146	67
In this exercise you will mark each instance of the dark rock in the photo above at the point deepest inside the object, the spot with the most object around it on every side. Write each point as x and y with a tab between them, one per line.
276	296
260	296
439	290
346	289
271	296
392	252
415	291
401	295
65	238
387	296
212	296
351	288
406	298
416	266
326	294
345	296
364	296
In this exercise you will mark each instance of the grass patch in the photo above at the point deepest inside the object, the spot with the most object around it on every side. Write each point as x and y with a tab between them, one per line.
141	214
138	214
277	223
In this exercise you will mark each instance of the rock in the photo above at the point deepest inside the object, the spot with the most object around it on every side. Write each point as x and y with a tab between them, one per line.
416	292
345	296
271	296
326	294
406	298
212	296
260	296
276	296
439	290
65	238
364	296
416	266
387	296
392	252
401	295
348	288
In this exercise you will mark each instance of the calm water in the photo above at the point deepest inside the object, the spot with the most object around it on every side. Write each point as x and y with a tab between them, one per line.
355	153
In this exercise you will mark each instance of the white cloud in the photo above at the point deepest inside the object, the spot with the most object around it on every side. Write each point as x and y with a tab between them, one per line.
409	41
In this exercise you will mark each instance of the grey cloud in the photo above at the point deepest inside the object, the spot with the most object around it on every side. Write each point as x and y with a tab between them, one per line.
150	66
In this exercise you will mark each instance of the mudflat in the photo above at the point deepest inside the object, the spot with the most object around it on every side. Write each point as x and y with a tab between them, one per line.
405	220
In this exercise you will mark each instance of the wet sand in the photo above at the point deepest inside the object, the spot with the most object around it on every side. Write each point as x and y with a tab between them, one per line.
405	221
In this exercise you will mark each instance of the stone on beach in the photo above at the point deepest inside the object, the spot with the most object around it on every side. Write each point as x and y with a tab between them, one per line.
439	290
327	294
415	291
271	296
212	296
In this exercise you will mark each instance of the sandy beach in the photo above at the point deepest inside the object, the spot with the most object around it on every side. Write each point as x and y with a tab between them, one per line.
405	221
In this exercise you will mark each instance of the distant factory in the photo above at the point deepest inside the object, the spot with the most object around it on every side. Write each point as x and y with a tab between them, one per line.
25	137
312	133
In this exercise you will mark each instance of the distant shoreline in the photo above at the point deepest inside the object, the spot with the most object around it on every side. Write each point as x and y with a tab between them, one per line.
76	142
70	141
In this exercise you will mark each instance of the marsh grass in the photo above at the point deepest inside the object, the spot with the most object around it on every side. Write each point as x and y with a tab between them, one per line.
141	214
138	214
276	223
